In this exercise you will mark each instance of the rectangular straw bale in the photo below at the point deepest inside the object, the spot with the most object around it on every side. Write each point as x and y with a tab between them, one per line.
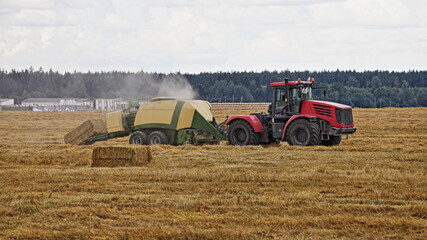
85	130
121	156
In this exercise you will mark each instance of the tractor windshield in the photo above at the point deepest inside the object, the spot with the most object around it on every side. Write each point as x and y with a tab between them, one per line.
306	93
299	94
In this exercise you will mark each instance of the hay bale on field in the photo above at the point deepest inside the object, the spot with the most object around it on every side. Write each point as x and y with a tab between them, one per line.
85	130
121	156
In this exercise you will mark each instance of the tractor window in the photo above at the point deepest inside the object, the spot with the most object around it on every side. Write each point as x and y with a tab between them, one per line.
280	100
295	100
306	93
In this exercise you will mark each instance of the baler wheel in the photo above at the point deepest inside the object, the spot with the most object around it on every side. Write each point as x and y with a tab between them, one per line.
333	140
301	132
241	133
157	137
138	138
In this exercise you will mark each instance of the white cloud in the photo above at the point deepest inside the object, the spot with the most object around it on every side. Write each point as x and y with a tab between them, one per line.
193	36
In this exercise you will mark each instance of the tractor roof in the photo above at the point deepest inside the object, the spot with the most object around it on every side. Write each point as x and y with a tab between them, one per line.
293	83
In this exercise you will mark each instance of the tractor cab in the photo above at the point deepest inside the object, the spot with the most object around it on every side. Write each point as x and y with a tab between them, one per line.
288	96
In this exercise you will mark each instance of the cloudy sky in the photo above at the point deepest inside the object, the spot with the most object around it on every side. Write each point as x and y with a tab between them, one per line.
213	35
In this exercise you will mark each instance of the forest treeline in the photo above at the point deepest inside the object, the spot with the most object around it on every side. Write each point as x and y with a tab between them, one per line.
358	89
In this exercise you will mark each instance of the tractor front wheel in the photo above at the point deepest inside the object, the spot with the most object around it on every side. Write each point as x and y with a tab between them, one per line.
301	132
241	133
157	137
333	140
138	137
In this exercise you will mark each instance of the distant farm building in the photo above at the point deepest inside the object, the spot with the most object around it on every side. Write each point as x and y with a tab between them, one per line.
41	102
110	104
6	102
58	104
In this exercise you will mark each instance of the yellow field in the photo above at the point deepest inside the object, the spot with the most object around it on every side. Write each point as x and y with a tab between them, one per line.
372	186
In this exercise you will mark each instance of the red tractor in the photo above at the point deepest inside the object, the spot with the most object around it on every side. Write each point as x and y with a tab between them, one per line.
294	117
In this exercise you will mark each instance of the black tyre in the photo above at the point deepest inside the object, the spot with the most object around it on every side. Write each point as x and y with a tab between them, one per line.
301	132
241	133
138	137
333	140
157	137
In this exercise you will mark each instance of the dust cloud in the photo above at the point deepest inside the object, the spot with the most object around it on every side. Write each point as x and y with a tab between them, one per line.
145	86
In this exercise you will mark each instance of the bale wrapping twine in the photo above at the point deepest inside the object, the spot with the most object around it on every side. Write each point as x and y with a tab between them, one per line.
85	130
121	156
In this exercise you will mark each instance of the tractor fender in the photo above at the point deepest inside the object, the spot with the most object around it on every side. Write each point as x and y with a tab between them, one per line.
308	116
251	119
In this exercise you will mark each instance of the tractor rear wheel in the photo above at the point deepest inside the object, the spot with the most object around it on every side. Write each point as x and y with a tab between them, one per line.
301	132
241	133
333	140
138	137
157	137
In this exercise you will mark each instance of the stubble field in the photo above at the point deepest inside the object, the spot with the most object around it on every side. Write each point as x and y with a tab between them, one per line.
372	186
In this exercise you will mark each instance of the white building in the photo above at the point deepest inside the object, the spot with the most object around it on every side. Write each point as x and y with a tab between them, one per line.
5	101
42	102
58	104
110	104
76	102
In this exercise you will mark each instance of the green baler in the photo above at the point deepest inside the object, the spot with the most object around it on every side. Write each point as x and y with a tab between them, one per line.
161	121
